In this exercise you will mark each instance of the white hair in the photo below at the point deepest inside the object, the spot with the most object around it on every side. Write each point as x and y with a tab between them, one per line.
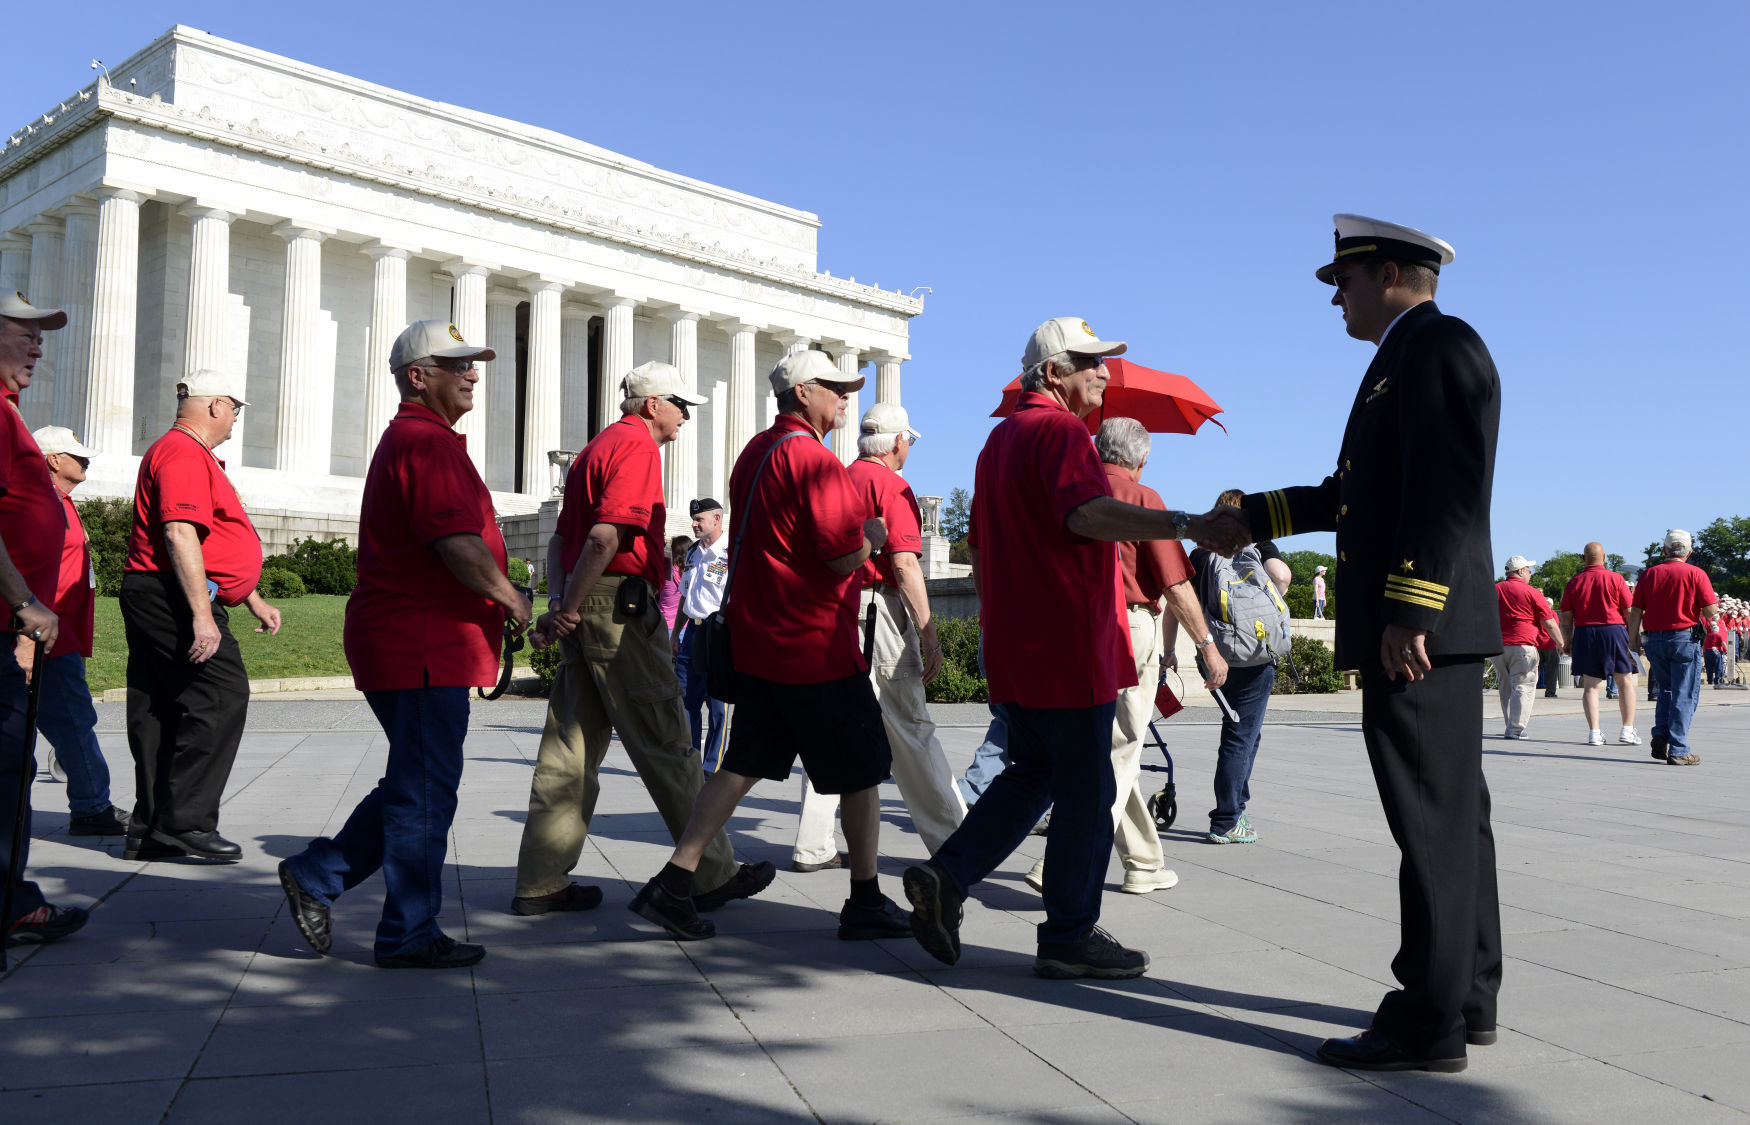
1033	378
876	445
1123	441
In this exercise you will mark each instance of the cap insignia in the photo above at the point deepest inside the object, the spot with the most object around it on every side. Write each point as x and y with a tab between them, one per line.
1088	330
456	336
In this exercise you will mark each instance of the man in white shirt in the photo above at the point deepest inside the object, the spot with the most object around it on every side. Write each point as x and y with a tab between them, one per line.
701	595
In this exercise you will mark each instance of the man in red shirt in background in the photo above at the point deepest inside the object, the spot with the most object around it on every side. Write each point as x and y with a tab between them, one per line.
1525	613
1043	531
65	715
192	552
616	670
423	626
1670	599
32	530
1595	606
905	654
801	534
1713	649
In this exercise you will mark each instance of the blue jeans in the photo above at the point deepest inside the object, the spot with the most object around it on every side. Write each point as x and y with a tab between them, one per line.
1676	663
1711	658
992	755
1319	610
68	721
14	770
1061	759
403	825
693	695
1248	693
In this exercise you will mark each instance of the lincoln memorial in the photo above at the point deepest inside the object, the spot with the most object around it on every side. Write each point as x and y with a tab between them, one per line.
208	205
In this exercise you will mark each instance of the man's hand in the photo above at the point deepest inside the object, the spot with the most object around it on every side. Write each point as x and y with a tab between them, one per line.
38	619
1403	652
1634	642
1567	648
264	613
1171	660
875	531
206	640
554	624
674	642
1214	667
518	610
1223	529
931	648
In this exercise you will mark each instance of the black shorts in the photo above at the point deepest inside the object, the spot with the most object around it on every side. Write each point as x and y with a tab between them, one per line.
1601	651
834	727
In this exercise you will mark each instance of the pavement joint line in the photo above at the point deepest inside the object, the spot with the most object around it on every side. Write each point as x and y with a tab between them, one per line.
757	1041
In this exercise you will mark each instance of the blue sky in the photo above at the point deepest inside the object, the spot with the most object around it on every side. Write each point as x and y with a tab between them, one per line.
1167	171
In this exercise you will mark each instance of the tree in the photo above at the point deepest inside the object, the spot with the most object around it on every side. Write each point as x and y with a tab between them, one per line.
1303	563
1722	548
1552	575
956	515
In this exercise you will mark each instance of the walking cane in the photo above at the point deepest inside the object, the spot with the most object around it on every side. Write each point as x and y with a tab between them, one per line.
26	774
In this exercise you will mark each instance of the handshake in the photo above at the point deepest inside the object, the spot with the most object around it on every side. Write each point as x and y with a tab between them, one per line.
1223	530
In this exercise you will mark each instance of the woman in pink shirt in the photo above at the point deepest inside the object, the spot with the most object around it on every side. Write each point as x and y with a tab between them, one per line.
669	601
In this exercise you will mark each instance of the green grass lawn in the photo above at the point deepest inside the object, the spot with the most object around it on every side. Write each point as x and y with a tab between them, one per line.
308	643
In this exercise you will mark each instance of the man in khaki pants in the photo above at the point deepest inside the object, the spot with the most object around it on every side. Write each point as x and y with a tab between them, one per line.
604	566
906	654
1525	612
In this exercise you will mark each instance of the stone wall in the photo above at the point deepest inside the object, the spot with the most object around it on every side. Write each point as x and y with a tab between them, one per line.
279	528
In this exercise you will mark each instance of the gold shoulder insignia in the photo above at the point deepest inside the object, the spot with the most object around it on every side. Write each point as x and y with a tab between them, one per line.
1378	389
1408	566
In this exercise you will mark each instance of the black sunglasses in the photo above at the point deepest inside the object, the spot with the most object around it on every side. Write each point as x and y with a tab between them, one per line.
679	404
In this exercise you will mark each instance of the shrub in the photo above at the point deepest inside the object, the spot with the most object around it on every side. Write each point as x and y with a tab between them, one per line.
277	584
959	681
329	567
519	572
543	662
107	525
1313	660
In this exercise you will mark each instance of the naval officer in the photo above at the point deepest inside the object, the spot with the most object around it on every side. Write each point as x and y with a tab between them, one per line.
1409	501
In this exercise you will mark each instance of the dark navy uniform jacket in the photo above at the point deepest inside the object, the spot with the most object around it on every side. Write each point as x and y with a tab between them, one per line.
1409	498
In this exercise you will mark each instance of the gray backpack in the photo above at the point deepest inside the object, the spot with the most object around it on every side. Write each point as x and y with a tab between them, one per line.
1247	617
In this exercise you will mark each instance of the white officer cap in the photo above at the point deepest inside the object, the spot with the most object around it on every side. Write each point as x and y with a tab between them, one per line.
214	384
1360	238
1067	334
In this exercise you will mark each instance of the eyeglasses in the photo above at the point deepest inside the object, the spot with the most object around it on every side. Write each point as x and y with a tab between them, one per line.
1343	280
236	408
839	389
453	366
1088	362
679	404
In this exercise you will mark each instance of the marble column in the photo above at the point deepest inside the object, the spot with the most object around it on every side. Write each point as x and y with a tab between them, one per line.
616	355
470	321
304	435
887	378
541	416
44	291
388	319
108	408
495	394
741	394
15	264
680	480
78	277
844	440
574	377
209	281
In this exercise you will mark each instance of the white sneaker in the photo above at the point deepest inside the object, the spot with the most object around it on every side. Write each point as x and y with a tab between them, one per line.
1596	738
1142	882
1036	876
1628	737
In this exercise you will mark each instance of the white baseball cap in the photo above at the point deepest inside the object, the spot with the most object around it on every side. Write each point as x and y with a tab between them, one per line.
660	379
1067	334
1519	562
214	384
807	366
1318	570
1678	538
436	338
1360	238
59	439
888	418
14	305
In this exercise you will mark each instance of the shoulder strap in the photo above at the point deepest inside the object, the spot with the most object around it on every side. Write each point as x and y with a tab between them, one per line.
741	521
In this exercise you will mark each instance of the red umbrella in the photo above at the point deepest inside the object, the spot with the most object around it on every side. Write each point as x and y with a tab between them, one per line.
1163	402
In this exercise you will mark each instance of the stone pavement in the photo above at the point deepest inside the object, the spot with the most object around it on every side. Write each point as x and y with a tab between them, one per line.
190	997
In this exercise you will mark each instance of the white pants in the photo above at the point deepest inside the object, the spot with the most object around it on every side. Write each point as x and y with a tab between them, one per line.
1516	677
920	769
1134	833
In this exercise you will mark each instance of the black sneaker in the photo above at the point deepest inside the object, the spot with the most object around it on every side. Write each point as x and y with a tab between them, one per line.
444	953
1097	954
45	924
937	908
750	880
871	923
1661	747
677	914
110	822
309	912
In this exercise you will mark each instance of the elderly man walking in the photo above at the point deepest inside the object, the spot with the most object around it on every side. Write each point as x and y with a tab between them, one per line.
192	553
422	627
31	536
1043	528
1525	616
616	671
1595	607
904	654
701	596
802	688
1672	597
65	715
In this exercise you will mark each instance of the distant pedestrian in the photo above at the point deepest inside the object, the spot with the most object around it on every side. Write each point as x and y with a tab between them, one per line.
1549	659
1672	597
670	599
702	581
1319	593
1525	617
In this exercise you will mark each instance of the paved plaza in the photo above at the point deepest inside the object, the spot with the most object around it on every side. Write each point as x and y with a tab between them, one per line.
1625	889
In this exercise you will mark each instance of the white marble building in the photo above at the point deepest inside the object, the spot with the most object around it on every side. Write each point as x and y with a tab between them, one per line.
212	205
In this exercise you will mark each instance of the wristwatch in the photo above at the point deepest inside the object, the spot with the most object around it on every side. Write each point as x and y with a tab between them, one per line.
1208	639
25	604
1181	524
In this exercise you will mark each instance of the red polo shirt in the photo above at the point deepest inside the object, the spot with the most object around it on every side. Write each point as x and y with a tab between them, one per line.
1047	597
1596	596
31	523
410	623
1716	634
1523	607
1544	640
1151	566
617	479
1669	594
75	589
793	620
886	494
180	479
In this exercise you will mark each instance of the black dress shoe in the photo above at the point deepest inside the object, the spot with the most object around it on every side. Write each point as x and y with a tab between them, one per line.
871	923
202	845
1661	747
574	897
309	912
675	913
145	849
110	822
936	910
1372	1050
1480	1036
749	880
444	953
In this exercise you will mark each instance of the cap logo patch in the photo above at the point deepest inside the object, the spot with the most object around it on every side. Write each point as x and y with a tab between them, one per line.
1086	329
456	336
20	293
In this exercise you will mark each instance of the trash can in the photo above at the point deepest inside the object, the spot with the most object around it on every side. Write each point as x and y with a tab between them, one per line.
1565	674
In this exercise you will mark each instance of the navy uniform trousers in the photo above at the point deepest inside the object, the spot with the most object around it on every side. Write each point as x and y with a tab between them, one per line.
1424	741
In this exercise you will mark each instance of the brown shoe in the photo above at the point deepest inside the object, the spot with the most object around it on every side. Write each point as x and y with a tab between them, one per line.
835	863
1683	760
574	897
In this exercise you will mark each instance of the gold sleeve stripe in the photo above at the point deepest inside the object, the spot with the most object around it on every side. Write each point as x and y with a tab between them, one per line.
1418	584
1399	595
1280	525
